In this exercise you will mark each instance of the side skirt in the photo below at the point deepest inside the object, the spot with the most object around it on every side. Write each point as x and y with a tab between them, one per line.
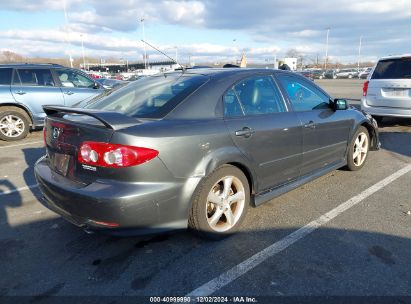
275	192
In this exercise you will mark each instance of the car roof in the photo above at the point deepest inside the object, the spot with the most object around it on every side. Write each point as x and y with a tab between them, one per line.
225	71
395	56
29	65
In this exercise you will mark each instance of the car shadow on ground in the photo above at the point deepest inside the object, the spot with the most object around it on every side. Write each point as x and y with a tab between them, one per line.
52	257
31	155
396	140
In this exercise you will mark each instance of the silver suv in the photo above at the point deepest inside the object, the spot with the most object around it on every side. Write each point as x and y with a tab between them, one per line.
387	92
25	88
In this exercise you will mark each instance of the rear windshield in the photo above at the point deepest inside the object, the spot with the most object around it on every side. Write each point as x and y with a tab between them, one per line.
150	97
393	69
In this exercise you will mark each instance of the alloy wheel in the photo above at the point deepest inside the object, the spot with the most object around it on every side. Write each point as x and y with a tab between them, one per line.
11	126
360	149
225	203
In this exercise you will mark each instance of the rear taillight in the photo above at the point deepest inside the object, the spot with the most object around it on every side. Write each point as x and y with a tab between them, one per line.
113	155
365	88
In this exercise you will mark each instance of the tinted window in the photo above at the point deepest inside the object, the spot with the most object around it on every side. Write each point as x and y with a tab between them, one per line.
393	69
5	76
33	77
70	78
151	97
302	94
232	106
258	95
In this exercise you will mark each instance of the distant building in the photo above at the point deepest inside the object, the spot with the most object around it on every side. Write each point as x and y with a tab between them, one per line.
291	62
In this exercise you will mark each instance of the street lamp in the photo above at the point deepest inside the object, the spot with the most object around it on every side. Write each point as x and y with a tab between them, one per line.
82	50
144	38
326	49
359	53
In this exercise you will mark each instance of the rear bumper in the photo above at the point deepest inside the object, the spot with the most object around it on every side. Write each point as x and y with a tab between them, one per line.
384	111
139	207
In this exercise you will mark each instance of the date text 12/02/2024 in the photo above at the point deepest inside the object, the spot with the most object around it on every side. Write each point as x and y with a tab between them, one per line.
237	299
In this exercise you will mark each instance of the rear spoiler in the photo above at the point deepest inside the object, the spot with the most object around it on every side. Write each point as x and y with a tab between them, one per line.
110	119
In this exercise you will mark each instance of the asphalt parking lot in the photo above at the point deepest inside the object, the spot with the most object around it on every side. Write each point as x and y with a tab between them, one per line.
287	247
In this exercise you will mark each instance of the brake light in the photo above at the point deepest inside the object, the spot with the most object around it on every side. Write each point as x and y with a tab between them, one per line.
113	155
365	88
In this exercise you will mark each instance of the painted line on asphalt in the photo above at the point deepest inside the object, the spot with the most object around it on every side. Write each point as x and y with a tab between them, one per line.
229	276
18	189
23	144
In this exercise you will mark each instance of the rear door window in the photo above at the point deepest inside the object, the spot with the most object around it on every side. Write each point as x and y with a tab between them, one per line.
258	95
33	77
5	76
399	68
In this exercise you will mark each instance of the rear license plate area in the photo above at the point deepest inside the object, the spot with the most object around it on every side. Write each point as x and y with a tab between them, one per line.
396	92
61	163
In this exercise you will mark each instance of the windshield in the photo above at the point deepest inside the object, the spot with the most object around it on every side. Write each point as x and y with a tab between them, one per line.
150	97
393	69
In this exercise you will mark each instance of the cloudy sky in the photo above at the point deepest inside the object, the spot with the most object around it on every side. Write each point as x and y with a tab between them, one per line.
208	30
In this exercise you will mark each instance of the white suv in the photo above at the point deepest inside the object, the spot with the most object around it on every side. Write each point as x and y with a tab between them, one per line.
387	91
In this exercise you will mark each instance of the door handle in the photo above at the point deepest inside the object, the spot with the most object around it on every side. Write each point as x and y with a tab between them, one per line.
310	125
20	92
68	92
245	132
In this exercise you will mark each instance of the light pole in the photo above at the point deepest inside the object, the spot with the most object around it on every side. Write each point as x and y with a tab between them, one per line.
326	49
82	50
144	38
359	53
67	33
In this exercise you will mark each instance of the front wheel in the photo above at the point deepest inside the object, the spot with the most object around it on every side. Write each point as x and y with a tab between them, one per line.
13	125
220	203
358	149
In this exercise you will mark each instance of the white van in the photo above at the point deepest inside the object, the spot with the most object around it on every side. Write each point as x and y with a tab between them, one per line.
387	91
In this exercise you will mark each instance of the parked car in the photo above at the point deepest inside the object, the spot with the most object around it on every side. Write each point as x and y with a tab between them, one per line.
347	73
330	74
24	88
364	73
317	74
306	74
195	149
388	90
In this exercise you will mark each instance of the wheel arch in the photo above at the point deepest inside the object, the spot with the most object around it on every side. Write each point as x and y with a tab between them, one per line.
372	133
21	107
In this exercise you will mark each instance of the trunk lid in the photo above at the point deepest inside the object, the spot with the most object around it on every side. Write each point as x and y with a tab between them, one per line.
67	128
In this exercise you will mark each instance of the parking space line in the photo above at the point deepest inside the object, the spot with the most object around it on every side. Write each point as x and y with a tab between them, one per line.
23	144
18	189
252	262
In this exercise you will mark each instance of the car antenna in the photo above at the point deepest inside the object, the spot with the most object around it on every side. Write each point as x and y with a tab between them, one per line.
182	68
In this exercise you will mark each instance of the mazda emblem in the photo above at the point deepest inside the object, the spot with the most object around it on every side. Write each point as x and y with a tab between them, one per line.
56	132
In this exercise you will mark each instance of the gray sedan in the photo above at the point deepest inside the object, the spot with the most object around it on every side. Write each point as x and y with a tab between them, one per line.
195	149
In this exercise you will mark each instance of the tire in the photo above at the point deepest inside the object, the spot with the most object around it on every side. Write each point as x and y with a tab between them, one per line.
350	76
209	220
358	150
378	119
14	124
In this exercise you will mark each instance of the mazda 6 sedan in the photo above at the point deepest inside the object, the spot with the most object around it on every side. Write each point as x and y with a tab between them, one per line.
195	149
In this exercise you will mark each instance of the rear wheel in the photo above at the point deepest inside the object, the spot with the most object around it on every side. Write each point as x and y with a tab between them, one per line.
220	203
14	124
358	150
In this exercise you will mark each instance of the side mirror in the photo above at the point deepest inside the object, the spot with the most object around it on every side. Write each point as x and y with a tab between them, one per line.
96	85
340	104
